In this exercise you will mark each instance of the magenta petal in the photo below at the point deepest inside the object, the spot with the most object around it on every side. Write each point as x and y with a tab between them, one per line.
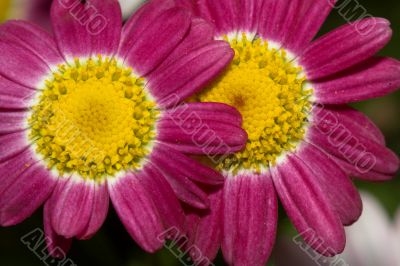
157	41
373	78
327	118
12	144
358	149
13	95
188	167
171	212
145	16
12	122
72	202
342	195
85	29
185	189
181	176
21	65
190	73
30	186
223	13
308	207
201	32
277	18
249	14
57	246
250	219
205	231
98	211
345	47
137	211
310	16
33	39
203	128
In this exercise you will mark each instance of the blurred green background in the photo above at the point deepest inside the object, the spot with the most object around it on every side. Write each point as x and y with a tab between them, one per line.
112	245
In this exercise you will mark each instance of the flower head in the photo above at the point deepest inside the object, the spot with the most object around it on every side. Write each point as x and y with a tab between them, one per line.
95	113
303	140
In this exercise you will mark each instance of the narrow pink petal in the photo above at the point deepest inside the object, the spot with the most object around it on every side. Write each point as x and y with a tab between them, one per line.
171	212
86	28
309	17
57	246
203	128
249	14
13	95
277	18
137	211
223	13
345	47
374	78
33	39
12	121
72	202
181	176
143	18
205	230
12	144
308	207
21	65
250	219
190	73
359	151
327	118
29	188
98	212
188	167
201	32
342	195
157	41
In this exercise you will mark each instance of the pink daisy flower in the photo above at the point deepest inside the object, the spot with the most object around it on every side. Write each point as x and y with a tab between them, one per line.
92	114
304	142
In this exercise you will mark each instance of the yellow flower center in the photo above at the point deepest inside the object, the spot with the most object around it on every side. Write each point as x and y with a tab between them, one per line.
93	118
269	91
5	6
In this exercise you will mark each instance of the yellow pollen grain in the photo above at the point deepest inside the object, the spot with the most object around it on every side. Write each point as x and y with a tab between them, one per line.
93	118
269	91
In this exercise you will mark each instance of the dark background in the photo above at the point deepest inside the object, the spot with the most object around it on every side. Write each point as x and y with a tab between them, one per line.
113	246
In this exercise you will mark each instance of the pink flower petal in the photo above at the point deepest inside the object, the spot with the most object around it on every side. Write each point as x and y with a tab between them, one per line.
14	96
21	65
205	230
137	211
308	206
33	39
345	47
24	191
222	13
12	144
147	50
86	29
197	128
190	73
11	122
359	151
250	219
374	78
57	246
73	203
171	212
342	195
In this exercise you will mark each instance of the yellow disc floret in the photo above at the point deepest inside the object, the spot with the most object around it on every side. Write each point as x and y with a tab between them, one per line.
269	91
93	118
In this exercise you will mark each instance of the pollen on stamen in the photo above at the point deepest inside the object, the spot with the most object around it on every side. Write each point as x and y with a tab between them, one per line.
93	118
269	90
